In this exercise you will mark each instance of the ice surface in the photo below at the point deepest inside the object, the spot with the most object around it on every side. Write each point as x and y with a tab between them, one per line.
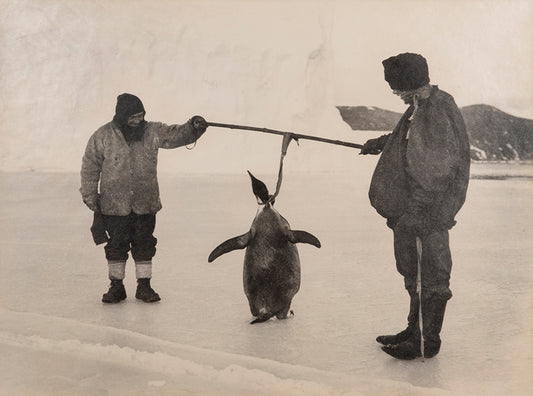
56	337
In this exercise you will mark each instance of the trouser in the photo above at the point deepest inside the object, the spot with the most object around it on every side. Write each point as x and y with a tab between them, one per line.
436	265
130	233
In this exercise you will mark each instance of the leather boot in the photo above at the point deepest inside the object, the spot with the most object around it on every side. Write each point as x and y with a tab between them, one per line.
412	324
433	320
145	292
433	317
116	292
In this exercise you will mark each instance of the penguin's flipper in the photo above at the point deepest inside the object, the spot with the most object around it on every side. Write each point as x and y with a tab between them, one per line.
238	242
296	236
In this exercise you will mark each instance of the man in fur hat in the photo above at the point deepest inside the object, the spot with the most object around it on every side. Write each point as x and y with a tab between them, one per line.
419	185
119	183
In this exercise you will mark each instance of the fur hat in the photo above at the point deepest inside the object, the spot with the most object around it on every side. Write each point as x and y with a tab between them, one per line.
406	71
127	105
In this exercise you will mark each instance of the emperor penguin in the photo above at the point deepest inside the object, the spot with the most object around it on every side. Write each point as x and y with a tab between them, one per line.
271	273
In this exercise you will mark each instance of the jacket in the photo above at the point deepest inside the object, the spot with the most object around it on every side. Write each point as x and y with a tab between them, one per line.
122	178
429	168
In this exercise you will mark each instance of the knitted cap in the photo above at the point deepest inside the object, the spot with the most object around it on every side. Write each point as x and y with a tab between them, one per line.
406	71
127	105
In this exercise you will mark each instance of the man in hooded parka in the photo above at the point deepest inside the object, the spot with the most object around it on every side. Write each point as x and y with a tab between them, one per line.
119	184
419	185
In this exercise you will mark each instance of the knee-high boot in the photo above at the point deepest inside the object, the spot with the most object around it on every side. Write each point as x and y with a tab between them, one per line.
412	324
433	315
433	309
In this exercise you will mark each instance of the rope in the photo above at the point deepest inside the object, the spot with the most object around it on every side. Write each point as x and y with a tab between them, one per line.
287	137
416	98
419	291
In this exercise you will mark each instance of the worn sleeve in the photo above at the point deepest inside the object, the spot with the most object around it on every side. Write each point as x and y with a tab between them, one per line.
91	168
432	152
172	136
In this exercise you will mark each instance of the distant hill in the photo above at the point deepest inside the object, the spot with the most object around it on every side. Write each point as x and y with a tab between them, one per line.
494	135
367	118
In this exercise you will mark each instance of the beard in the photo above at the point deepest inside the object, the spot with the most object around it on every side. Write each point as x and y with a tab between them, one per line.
131	134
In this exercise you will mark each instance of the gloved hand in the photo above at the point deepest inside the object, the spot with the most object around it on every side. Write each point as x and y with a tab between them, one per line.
93	202
198	123
98	229
374	146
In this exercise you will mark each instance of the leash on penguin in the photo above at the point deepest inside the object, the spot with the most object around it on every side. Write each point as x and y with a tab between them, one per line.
419	291
287	137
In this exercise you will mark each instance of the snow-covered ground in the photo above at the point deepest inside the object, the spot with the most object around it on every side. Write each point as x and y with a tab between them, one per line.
57	338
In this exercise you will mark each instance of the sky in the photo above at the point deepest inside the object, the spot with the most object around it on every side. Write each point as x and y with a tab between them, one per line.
275	64
479	51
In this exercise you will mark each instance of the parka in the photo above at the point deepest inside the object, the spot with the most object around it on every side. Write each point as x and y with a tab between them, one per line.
118	178
429	167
